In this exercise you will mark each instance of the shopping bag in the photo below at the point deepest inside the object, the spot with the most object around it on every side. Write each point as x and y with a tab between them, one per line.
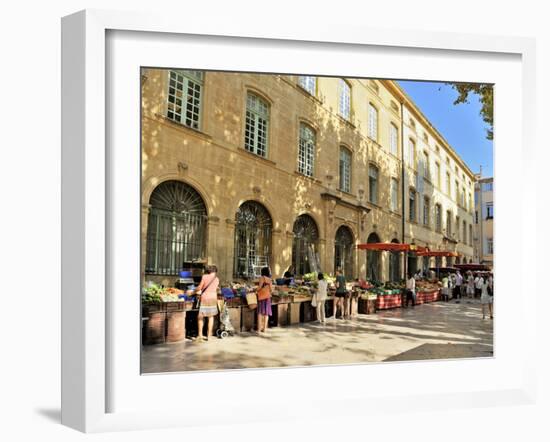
252	300
314	300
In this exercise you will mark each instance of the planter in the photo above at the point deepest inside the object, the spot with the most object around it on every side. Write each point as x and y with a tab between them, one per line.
175	326
155	326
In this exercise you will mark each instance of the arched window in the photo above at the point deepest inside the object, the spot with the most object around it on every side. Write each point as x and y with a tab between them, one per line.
305	258
345	169
306	150
185	97
343	251
344	102
257	125
373	260
253	228
395	263
176	228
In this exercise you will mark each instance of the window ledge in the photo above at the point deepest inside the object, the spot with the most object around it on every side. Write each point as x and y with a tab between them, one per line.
247	153
310	178
173	123
346	122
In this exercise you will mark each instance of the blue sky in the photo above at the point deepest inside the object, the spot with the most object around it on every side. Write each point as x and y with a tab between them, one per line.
461	125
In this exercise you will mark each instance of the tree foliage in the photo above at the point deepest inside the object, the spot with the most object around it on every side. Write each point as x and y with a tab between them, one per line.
485	93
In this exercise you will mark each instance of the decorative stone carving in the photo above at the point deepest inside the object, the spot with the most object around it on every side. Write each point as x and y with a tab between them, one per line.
182	167
257	190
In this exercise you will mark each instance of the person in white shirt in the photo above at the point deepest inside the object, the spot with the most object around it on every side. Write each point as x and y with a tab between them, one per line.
458	285
470	288
411	291
321	297
445	288
478	282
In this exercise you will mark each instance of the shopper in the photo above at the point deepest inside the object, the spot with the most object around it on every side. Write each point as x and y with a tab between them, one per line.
457	292
490	286
486	299
411	291
340	295
208	306
470	287
321	297
478	282
265	287
445	288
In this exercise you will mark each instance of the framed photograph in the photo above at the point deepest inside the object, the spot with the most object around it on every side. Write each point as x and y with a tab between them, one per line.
273	208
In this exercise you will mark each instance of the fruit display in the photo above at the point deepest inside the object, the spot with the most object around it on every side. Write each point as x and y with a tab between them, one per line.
426	286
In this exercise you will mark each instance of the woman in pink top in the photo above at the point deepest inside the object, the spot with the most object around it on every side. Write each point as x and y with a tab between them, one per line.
209	300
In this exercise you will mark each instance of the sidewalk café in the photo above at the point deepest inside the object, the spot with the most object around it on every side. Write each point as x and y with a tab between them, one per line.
169	314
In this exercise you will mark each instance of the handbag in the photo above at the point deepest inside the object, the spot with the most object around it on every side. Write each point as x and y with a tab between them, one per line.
314	300
262	295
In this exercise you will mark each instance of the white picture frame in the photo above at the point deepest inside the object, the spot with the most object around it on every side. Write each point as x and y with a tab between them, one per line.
87	207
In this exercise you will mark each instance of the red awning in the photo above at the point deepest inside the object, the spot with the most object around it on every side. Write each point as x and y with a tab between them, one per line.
474	267
385	246
437	253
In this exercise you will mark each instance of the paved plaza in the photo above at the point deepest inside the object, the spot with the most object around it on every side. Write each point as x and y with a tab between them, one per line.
437	330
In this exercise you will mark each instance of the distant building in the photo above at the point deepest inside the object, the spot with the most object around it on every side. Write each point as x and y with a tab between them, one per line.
483	219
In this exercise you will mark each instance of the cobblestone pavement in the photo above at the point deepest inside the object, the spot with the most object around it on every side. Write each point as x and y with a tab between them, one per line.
437	330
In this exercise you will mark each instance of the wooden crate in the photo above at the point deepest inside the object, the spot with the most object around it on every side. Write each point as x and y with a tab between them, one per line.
235	318
307	312
248	319
294	315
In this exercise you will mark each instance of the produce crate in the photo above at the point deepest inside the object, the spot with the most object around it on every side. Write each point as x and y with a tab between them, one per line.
175	326
235	317
294	315
280	315
388	301
307	312
248	319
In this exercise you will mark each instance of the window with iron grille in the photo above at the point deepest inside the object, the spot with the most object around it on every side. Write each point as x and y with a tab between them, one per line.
344	103
449	224
412	205
457	231
373	122
185	97
252	250
426	212
176	228
471	242
394	194
343	251
308	83
345	169
373	184
305	256
394	139
464	233
306	150
257	125
438	217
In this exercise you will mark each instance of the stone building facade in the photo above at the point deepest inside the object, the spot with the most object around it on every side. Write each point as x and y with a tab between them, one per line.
244	169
